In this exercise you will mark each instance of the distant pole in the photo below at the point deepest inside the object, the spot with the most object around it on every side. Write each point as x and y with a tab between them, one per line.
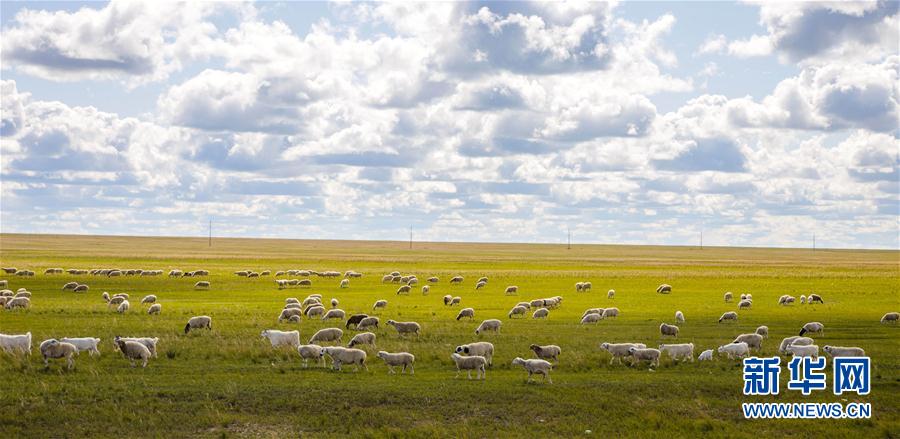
569	239
210	232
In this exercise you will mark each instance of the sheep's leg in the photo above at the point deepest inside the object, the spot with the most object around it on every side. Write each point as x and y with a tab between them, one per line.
390	369
547	376
70	362
411	370
469	373
529	377
366	367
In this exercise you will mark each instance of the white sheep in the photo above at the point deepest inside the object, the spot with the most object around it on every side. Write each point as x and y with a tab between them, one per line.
728	297
89	344
455	301
405	327
13	343
802	299
310	352
754	340
763	331
666	329
620	350
394	359
512	289
676	351
334	314
812	298
150	298
198	322
535	366
345	283
794	340
804	351
341	355
456	280
404	289
813	328
123	307
362	338
679	317
480	285
517	310
149	342
610	312
480	349
315	311
466	312
745	304
489	325
334	303
540	313
203	284
891	317
53	348
469	364
840	351
18	302
645	354
548	352
730	315
133	350
706	355
664	289
591	318
739	350
289	313
282	338
380	304
425	290
610	294
327	334
368	322
156	308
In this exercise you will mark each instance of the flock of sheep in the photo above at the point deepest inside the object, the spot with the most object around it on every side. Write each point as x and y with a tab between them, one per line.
476	356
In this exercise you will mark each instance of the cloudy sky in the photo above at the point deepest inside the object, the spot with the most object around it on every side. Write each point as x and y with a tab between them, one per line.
644	123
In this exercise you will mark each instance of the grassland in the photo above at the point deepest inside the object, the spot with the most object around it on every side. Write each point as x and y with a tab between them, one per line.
230	383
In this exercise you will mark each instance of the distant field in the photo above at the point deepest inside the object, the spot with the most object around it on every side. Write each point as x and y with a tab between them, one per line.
231	383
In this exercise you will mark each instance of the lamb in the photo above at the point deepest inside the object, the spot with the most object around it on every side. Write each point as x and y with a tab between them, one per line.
645	354
813	328
154	309
392	360
289	313
679	317
620	350
310	352
480	349
745	304
455	300
794	340
535	366
405	327
380	304
814	298
89	344
891	317
466	312
362	338
425	290
198	322
315	310
133	350
610	312
469	364
18	302
67	286
730	315
148	299
447	299
540	313
802	299
368	322
341	355
123	307
480	285
664	289
282	338
548	352
676	351
706	355
334	314
13	343
591	318
53	348
610	294
327	334
753	340
839	351
512	289
517	310
334	303
489	325
728	297
403	289
355	319
739	350
763	331
804	351
667	329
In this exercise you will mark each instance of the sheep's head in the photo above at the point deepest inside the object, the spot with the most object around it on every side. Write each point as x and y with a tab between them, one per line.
631	350
604	346
517	361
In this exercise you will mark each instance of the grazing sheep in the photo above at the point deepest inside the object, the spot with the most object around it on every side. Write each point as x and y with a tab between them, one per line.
81	288
666	329
794	340
517	310
813	328
540	313
763	331
480	349
579	286
730	315
203	284
387	278
488	325
381	304
345	283
466	312
363	338
355	319
6	293
18	302
535	366
610	313
447	299
469	364
395	359
598	311
282	338
783	300
154	309
591	318
67	286
150	298
891	317
433	280
403	289
198	322
512	289
3	300
676	351
10	270
405	327
728	297
334	314
53	348
341	355
310	352
804	351
537	303
739	350
115	301
664	289
480	285
149	342
679	317
812	298
314	311
839	351
745	304
368	322
706	355
289	313
294	319
456	280
644	354
620	350
548	352
425	290
754	340
455	301
89	344
280	273
526	305
133	350
13	343
23	294
311	300
123	307
327	334
304	283
610	294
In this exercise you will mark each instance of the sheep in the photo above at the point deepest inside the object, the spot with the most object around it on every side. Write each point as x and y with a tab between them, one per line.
17	342
644	354
535	366
6	293
382	304
679	317
526	305
23	294
53	348
334	314
433	280
81	288
203	284
517	310
620	350
3	300
598	311
294	319
706	355
341	355
814	298
89	344
149	342
133	350
455	301
591	318
362	338
804	351
664	289
123	307
304	283
540	313
469	364
489	325
730	315
480	285
310	352
115	301
839	351
288	313
891	317
548	352
676	351
18	302
456	280
150	298
290	300
404	359
480	349
745	304
10	270
482	279
512	289
813	328
154	309
794	340
355	319
802	299
281	338
311	300
386	278
743	297
425	290
406	327
403	289
728	297
315	310
368	322
753	340
327	334
667	329
67	286
610	294
739	350
610	312
783	300
763	331
293	306
447	299
198	322
412	281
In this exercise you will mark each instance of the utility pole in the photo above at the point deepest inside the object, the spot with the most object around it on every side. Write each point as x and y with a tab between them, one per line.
569	239
210	232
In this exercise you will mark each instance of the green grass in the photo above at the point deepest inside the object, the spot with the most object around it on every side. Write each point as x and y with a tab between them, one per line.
230	382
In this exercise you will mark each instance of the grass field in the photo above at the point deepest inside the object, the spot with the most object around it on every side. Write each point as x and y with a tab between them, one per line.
230	382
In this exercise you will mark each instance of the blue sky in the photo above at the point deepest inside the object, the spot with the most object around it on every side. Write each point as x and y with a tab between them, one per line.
636	122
